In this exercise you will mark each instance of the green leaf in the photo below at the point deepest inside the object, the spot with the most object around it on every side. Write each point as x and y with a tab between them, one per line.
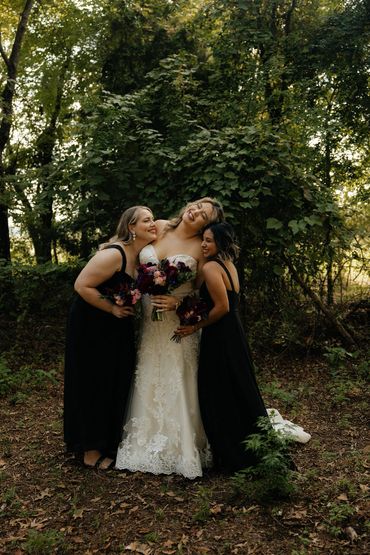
273	223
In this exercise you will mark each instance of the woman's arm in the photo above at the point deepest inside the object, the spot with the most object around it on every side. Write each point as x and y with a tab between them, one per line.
212	274
101	267
200	276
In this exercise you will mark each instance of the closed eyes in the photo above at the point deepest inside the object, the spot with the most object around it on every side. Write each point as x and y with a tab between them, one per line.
203	214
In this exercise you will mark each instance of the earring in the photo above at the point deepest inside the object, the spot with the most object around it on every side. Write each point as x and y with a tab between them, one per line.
133	235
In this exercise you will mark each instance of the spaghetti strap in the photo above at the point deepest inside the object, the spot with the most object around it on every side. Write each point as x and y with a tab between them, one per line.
227	273
123	254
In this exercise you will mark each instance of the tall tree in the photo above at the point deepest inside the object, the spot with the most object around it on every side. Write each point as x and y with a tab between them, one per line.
11	62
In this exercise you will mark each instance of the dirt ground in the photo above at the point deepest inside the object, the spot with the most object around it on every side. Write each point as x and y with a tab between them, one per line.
51	504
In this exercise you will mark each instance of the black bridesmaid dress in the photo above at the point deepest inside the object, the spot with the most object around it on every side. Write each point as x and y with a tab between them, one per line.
99	365
229	398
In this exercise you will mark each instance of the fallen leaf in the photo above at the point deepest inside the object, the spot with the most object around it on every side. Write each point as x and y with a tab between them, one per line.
250	509
77	539
137	547
216	509
364	488
351	533
199	534
2	463
298	514
78	513
342	497
168	543
38	525
44	493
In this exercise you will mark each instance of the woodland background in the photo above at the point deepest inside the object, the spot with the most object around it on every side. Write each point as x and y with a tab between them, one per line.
263	104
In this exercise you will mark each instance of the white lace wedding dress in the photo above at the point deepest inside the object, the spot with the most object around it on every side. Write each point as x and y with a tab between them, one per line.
164	433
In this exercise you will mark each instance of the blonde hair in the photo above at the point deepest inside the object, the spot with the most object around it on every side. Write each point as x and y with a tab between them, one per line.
123	233
217	212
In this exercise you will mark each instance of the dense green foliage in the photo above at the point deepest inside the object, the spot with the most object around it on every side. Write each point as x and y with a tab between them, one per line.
37	290
262	104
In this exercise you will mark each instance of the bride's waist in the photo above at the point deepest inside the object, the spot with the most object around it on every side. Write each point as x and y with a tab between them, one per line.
180	292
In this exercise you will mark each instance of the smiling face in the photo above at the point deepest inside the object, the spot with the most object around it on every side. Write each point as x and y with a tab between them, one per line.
144	227
198	215
209	247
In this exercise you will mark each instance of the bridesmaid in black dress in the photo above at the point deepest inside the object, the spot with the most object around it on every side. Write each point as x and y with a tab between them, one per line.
100	350
230	401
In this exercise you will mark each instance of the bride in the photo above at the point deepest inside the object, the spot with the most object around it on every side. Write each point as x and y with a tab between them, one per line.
163	433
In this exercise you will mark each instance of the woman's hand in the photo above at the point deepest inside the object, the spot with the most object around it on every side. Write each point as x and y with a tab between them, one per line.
165	302
122	311
183	331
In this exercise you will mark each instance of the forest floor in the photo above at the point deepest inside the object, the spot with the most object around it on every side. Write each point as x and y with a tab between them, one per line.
51	504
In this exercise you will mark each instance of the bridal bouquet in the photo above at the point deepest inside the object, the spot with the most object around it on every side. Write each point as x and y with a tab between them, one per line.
191	311
124	294
162	279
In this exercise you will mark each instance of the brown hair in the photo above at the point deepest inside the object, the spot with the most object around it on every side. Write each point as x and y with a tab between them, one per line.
218	212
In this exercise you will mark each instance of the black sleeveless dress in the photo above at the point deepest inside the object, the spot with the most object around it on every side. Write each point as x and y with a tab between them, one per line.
229	398
99	365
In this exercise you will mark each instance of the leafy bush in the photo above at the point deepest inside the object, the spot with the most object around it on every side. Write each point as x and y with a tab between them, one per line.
274	389
6	378
38	289
272	477
336	357
24	379
339	513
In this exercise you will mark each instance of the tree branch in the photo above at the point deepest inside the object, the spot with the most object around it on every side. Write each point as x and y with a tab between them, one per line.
288	17
3	53
343	332
21	29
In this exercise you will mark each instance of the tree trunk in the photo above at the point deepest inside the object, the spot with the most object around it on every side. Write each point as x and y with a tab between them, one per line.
6	104
344	334
275	91
330	251
45	144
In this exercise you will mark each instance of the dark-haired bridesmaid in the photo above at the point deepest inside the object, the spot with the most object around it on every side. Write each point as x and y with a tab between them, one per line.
230	401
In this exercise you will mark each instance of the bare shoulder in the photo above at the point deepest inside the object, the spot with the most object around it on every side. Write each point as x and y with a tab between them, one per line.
106	257
160	225
211	268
